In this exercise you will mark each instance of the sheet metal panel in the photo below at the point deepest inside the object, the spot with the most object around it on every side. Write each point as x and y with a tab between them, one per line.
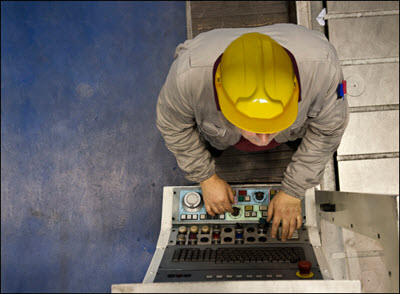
243	287
360	6
379	81
370	176
365	37
371	132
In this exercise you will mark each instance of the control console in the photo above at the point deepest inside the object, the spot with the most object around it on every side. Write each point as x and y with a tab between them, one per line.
232	246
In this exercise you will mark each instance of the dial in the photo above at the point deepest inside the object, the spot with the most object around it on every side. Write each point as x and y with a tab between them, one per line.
192	202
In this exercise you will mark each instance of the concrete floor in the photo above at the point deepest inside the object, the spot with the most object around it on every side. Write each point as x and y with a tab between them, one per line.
82	163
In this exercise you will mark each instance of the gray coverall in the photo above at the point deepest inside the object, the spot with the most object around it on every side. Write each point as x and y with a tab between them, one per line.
186	109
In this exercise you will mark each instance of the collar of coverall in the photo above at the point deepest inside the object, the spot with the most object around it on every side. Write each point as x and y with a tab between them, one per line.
296	72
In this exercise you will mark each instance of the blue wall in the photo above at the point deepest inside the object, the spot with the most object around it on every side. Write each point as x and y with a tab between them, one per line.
82	162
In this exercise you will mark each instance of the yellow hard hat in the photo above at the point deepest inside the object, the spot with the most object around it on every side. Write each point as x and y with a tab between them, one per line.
256	85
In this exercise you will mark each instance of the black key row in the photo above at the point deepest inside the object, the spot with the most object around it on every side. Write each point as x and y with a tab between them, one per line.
242	255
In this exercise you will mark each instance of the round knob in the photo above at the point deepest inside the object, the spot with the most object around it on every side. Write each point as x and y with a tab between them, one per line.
181	238
192	202
216	236
182	229
259	195
236	211
304	267
194	229
205	229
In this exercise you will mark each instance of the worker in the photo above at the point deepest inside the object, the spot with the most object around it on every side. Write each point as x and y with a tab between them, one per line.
254	89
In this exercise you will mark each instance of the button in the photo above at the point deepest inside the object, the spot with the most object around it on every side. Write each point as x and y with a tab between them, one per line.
249	276
205	229
194	216
183	216
268	276
202	216
194	229
279	276
258	276
247	214
189	216
264	213
254	214
263	207
239	276
209	277
182	230
241	198
218	276
222	216
304	267
248	208
242	192
247	198
229	276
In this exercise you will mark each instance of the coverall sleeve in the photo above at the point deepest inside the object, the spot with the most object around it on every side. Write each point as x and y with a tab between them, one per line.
177	124
322	138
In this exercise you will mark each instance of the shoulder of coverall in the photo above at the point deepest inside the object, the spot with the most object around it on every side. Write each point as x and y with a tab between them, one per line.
204	49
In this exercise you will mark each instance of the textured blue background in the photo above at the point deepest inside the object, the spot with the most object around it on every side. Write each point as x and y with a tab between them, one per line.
82	162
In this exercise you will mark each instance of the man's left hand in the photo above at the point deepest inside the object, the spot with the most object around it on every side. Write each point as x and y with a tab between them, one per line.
287	209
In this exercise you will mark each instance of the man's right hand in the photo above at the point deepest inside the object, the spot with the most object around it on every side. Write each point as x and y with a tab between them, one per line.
217	195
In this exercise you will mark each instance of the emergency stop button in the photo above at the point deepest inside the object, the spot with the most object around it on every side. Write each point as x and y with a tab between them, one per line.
304	269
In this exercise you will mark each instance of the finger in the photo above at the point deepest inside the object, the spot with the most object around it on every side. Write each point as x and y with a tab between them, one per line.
299	222
216	210
285	229
227	206
275	225
230	195
209	210
292	227
270	211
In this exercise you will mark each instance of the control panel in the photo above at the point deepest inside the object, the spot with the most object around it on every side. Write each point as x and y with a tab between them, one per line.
232	246
250	204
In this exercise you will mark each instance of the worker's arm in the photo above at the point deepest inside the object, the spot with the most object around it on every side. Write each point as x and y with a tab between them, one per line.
324	132
177	124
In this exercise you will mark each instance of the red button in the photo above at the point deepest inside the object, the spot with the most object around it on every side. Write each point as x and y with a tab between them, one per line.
215	236
192	236
242	192
304	266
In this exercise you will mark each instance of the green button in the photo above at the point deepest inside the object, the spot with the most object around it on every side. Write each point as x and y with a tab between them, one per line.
241	198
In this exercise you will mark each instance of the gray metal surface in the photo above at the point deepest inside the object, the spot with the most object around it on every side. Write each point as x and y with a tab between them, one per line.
376	218
243	287
368	47
366	37
371	132
370	176
361	6
380	80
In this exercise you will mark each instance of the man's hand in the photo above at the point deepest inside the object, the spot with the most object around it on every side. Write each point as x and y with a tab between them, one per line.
217	195
287	209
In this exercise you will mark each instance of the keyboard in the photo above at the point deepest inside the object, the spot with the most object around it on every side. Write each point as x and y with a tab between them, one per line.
240	255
